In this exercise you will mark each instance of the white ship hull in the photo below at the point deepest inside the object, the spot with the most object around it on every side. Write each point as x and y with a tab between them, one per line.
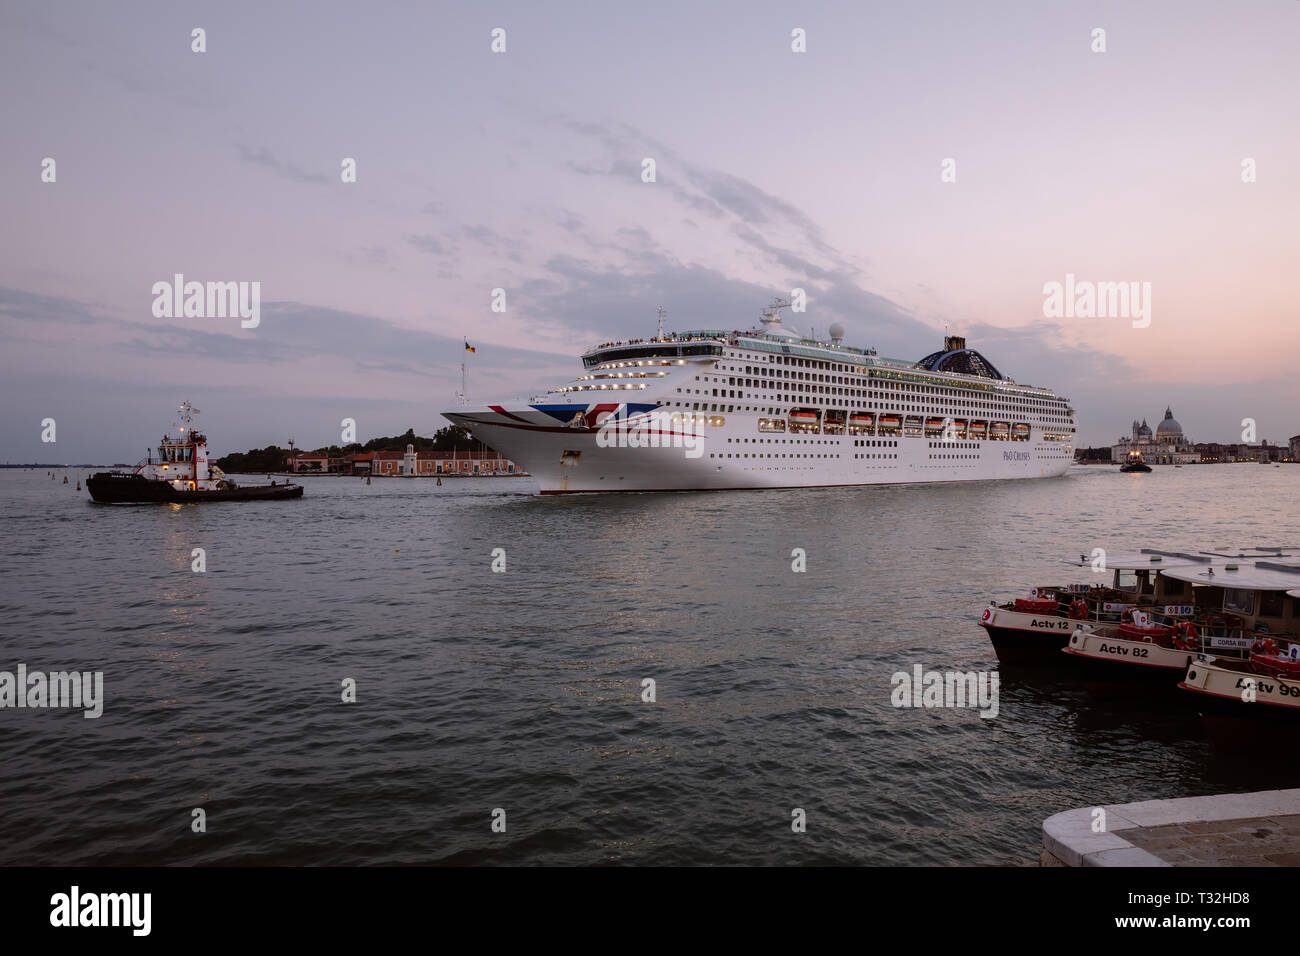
713	410
566	460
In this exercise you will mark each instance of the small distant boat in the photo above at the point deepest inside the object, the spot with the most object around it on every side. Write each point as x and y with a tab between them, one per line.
1135	463
181	474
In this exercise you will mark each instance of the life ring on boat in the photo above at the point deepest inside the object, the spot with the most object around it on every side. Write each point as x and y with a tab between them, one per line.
1079	610
1127	616
1186	637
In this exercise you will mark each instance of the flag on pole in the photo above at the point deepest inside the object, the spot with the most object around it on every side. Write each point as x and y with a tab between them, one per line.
468	347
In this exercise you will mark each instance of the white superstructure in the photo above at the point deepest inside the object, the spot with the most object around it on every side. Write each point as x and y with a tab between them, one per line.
766	408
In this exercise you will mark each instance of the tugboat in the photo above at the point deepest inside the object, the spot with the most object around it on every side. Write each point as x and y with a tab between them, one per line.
1135	462
181	474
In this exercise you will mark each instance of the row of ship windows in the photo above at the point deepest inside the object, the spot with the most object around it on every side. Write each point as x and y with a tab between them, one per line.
774	455
706	406
1028	398
808	441
832	393
1017	432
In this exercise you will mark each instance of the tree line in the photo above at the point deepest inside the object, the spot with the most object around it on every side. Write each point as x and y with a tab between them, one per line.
273	457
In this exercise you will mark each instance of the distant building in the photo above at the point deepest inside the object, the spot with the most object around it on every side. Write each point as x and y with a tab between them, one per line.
1294	445
428	464
401	464
1167	446
309	462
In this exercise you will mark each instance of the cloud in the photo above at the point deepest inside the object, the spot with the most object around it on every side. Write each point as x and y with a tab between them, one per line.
31	307
264	158
429	244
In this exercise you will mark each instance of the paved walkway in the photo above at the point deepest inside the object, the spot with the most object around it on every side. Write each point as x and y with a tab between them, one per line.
1233	829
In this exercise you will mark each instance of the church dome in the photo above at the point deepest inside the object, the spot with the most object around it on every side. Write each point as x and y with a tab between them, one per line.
1169	428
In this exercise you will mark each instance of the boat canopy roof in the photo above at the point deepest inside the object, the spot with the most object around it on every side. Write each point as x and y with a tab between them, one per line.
1253	554
1142	560
1259	576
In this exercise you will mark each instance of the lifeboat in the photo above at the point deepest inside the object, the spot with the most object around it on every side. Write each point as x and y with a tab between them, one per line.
1139	626
977	429
804	418
1035	606
1000	430
934	426
865	419
890	421
959	428
1266	658
1021	432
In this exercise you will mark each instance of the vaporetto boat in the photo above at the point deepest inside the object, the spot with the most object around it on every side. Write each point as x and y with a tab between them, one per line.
1232	610
1037	627
1265	682
768	408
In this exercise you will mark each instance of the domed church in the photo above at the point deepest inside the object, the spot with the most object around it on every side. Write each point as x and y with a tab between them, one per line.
1167	446
1169	429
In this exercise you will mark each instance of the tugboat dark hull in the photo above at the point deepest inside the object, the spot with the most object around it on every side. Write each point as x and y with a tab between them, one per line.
1131	468
119	489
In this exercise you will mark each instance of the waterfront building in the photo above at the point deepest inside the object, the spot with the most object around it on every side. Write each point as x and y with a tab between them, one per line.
408	463
309	463
428	464
1166	446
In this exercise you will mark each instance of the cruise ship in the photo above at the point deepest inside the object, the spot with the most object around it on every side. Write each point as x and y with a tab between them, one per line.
714	409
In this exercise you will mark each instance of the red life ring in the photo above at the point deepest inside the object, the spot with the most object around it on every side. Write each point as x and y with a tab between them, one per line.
1079	610
1187	637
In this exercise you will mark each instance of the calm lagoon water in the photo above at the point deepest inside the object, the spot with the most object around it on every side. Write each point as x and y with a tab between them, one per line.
522	690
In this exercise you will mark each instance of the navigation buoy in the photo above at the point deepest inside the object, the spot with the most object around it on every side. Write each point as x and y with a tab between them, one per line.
78	485
440	479
65	479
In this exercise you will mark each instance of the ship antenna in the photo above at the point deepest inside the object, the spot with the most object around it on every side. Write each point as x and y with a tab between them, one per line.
462	396
771	316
